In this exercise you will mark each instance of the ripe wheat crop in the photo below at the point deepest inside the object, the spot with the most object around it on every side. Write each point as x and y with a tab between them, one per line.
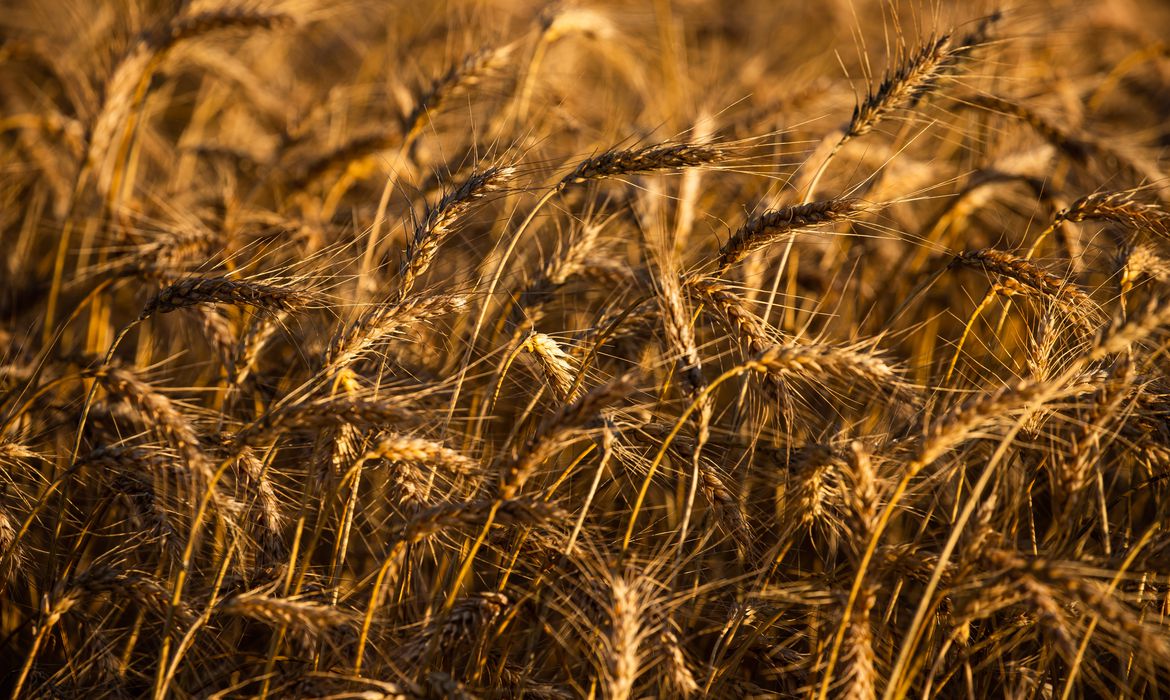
584	349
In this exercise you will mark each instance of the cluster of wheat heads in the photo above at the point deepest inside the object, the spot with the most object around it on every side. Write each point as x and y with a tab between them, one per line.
608	350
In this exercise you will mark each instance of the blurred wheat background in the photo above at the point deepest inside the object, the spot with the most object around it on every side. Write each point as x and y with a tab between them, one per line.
597	349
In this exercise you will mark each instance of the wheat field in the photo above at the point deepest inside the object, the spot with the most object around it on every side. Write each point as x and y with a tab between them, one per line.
596	349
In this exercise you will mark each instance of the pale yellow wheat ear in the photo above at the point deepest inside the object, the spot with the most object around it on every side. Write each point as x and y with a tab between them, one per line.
555	365
625	640
561	22
110	146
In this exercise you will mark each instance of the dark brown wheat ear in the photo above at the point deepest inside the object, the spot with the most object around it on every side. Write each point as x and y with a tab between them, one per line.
467	73
221	290
763	229
1022	275
909	80
648	159
1123	208
916	75
439	222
